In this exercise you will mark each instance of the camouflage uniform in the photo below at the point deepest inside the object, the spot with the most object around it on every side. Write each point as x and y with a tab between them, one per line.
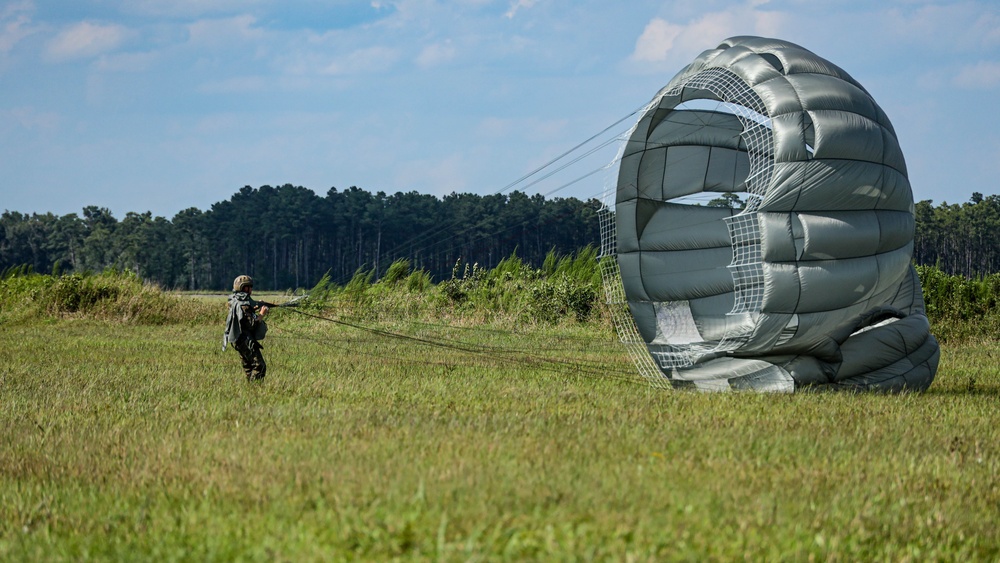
245	328
248	347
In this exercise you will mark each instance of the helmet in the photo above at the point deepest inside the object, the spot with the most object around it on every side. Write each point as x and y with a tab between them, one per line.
241	281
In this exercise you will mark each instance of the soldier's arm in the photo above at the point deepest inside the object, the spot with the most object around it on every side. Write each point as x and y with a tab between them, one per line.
250	320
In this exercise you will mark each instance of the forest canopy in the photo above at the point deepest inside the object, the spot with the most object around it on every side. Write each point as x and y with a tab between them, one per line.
289	237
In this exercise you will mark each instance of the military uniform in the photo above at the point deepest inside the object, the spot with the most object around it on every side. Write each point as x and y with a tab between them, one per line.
245	329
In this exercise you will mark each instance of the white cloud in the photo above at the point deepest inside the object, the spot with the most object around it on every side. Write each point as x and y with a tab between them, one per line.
984	75
14	25
236	85
495	127
526	128
436	54
127	62
30	118
439	177
371	59
186	8
663	41
244	54
84	40
987	27
656	41
224	31
953	27
517	5
15	8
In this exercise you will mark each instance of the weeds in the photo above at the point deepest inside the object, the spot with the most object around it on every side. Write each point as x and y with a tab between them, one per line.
563	288
959	308
123	444
111	296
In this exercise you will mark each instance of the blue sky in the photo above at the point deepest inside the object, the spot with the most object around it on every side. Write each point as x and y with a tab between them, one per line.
162	105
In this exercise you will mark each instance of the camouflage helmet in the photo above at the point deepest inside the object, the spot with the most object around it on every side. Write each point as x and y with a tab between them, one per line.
241	281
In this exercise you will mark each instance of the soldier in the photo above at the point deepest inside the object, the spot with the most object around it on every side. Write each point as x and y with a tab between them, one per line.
245	328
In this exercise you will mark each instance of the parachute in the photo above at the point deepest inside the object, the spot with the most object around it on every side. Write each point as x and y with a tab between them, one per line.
798	272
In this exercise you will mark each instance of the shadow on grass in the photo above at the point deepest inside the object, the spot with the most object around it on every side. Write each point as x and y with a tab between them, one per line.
970	388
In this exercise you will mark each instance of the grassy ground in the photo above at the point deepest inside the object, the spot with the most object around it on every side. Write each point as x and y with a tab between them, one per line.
144	442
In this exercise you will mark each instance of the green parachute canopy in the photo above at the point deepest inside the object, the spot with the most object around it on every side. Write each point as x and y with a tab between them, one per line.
764	229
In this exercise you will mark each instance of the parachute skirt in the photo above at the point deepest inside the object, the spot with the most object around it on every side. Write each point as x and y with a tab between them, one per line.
810	282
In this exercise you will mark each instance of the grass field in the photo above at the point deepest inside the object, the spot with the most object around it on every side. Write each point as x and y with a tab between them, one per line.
133	442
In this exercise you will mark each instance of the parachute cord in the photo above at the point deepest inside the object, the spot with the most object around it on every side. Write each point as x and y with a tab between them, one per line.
589	340
540	362
574	161
349	342
616	138
561	156
389	334
487	220
579	179
500	360
428	235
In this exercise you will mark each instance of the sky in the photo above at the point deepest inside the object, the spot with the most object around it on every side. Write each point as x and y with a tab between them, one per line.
164	105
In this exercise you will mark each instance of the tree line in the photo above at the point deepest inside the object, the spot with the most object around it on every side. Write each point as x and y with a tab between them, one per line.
959	239
289	237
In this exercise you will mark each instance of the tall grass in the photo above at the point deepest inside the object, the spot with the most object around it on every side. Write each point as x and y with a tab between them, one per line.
123	443
960	308
563	288
110	296
127	434
566	289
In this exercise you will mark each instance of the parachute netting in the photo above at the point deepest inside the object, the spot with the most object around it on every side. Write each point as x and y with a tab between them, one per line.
614	293
674	319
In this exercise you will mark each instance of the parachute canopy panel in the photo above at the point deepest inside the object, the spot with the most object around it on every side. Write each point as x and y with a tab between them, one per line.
763	229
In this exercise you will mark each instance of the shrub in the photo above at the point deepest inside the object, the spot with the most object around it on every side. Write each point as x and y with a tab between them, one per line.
960	308
111	295
397	272
564	287
418	281
321	294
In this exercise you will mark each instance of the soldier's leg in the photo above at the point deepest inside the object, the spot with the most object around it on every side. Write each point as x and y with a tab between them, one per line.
246	350
258	367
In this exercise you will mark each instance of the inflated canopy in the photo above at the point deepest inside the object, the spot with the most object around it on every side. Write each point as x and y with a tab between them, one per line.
810	282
